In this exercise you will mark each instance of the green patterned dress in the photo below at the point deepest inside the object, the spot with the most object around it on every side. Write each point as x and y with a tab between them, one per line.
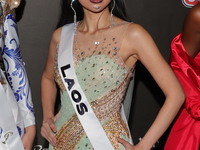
104	78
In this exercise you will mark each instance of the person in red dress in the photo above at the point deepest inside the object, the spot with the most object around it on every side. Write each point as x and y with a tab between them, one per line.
185	61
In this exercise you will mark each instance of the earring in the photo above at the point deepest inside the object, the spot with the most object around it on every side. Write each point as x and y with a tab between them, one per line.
111	17
75	22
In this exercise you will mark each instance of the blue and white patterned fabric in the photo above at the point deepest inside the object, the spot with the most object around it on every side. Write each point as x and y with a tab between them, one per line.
15	92
16	72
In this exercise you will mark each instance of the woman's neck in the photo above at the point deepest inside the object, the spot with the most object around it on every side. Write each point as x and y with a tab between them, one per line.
92	22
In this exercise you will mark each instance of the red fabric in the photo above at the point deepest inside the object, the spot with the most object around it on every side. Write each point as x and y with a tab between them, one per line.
185	134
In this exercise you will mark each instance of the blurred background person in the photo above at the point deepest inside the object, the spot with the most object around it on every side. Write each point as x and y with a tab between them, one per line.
17	120
185	61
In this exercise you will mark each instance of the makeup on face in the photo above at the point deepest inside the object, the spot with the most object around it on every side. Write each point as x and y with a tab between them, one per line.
96	1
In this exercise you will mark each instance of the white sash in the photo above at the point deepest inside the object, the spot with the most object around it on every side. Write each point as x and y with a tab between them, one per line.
88	119
10	139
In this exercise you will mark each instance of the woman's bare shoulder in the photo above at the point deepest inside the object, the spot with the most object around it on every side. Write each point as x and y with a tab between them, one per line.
56	35
191	31
136	31
194	14
137	39
196	9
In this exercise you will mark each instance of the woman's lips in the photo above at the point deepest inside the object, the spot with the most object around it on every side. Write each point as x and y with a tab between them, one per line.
96	1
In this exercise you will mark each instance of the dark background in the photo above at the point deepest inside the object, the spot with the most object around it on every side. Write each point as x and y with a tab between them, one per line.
162	19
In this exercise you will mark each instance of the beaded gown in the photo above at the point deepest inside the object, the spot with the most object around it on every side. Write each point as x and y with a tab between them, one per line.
104	78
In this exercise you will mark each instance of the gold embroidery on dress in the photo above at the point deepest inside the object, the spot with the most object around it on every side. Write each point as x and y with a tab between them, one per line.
72	132
69	134
115	127
57	74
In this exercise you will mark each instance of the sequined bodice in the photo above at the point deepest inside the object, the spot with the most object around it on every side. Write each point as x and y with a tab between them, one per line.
98	64
101	72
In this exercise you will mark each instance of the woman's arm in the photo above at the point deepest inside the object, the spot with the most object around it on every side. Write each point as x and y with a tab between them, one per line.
49	91
191	31
28	137
142	47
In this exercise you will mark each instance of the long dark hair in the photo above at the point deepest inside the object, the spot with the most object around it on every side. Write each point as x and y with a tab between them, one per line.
67	14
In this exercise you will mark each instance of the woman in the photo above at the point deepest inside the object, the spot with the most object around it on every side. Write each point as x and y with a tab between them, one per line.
185	61
105	51
17	120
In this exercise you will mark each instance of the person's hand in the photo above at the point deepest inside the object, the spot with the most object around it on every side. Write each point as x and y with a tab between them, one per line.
127	145
48	129
28	137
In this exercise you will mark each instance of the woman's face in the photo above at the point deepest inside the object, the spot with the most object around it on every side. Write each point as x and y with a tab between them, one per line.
94	5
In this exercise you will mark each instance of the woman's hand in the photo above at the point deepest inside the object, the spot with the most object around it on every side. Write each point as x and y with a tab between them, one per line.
28	137
127	145
48	129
